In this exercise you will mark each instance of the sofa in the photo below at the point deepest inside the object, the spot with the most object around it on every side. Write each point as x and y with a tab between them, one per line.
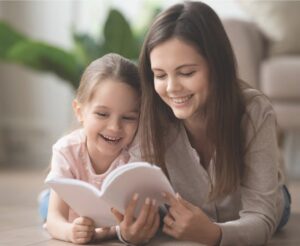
277	76
267	48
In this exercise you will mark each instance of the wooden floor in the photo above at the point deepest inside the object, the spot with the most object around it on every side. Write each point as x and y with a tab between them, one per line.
20	224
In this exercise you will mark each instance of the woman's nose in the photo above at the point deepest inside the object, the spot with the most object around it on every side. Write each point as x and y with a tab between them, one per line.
173	85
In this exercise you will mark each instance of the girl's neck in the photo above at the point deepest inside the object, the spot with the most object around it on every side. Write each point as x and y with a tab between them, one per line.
101	165
99	161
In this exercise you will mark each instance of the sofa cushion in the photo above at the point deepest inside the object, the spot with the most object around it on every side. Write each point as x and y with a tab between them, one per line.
280	78
279	21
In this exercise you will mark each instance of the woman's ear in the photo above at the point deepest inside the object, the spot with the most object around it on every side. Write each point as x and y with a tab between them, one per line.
78	111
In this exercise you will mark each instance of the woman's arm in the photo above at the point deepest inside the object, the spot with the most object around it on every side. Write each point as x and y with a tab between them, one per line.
260	186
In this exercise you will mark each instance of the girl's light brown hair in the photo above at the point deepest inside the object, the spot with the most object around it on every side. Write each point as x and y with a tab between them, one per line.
111	66
197	24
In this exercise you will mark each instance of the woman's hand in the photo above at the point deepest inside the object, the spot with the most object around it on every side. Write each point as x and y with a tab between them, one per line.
81	231
141	229
185	221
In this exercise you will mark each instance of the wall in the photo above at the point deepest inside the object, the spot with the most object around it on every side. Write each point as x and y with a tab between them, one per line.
35	107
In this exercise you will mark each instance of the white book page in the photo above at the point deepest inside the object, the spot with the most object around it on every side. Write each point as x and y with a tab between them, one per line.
85	199
140	177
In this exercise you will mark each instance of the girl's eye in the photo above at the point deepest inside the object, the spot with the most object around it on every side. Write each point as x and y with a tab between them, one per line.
102	114
130	118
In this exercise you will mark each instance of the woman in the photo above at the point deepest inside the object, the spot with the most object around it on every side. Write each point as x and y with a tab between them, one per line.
214	136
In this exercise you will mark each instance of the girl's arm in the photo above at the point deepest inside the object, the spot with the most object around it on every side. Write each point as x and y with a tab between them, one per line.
80	231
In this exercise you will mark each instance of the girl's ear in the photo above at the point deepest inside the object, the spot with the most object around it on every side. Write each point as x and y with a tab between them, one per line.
78	111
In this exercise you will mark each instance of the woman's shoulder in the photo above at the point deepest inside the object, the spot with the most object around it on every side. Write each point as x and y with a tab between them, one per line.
258	105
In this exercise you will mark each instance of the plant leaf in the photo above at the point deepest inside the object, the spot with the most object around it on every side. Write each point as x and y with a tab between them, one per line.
45	57
119	37
8	38
86	48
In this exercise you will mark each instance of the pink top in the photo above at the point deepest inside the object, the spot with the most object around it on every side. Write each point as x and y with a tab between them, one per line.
70	159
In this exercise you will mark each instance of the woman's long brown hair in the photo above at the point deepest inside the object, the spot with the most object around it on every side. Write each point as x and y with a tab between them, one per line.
197	24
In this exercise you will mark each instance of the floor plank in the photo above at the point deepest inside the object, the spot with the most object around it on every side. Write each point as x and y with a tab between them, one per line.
20	224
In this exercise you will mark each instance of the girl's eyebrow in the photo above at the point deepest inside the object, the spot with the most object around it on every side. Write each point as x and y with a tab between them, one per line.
101	107
177	68
135	110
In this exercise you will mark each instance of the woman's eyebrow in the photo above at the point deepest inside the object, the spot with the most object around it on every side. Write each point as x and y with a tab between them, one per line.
177	68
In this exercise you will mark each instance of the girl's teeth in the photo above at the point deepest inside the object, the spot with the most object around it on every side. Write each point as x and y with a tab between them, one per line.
111	138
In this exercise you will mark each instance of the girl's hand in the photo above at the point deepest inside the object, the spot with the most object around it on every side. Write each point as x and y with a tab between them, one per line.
185	221
81	230
144	227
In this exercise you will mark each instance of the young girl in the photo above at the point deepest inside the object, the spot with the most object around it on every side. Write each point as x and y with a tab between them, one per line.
107	107
214	136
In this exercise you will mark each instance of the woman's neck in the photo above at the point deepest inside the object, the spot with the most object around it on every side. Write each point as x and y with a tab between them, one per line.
196	131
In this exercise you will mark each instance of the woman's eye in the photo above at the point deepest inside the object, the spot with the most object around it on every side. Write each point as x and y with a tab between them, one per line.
159	76
187	74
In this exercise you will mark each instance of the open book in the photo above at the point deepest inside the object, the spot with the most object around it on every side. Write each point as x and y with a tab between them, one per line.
117	190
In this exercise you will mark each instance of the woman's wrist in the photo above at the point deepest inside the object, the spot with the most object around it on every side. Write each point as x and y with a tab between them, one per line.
216	235
100	234
120	237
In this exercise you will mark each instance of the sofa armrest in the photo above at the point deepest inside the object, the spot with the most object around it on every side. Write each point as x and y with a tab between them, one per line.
248	45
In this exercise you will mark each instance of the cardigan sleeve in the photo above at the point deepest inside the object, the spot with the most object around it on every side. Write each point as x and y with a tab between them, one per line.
258	217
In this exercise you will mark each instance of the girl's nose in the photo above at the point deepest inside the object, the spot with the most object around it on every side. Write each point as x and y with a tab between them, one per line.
114	125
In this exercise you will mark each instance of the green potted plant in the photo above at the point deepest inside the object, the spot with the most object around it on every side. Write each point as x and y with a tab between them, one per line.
117	37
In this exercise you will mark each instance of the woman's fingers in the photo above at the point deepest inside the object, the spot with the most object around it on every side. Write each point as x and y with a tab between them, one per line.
129	213
168	220
142	219
152	213
185	203
170	199
119	216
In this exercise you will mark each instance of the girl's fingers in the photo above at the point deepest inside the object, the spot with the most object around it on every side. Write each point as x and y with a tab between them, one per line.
83	228
84	234
83	221
129	213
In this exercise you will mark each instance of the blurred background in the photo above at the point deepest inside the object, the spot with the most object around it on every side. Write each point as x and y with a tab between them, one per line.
44	46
